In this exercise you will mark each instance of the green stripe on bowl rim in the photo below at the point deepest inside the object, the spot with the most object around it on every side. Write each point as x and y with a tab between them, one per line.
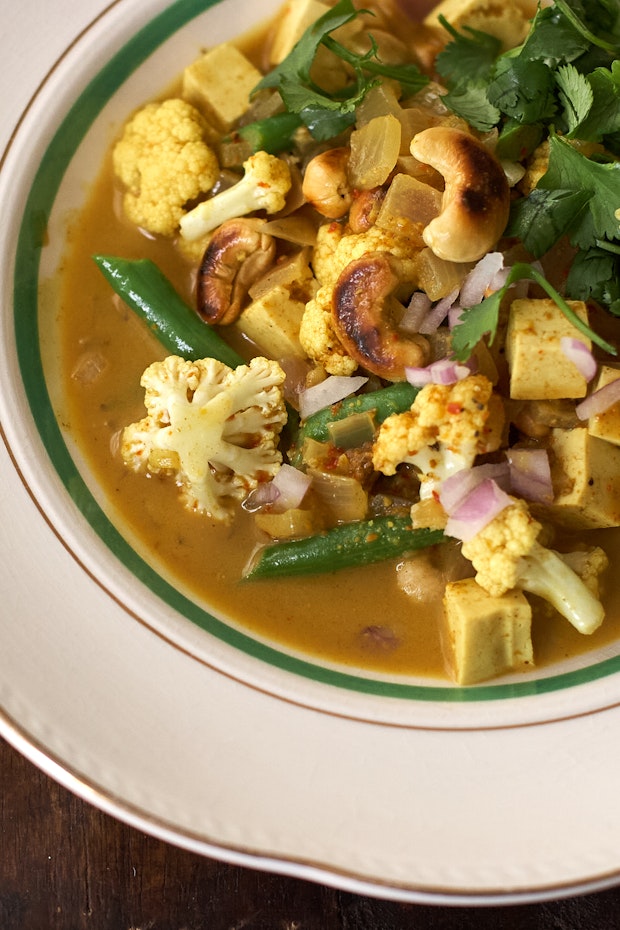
38	208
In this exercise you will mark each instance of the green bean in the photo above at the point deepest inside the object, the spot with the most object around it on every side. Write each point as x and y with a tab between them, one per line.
151	296
346	546
396	398
273	135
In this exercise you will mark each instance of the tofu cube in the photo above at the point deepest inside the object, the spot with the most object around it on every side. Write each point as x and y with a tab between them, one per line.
485	636
606	425
539	368
219	84
585	471
293	20
272	322
509	22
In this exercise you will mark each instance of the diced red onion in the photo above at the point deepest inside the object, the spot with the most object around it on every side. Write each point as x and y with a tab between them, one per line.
334	389
599	401
477	510
454	315
580	355
480	279
456	487
443	371
435	317
291	485
263	496
412	319
530	474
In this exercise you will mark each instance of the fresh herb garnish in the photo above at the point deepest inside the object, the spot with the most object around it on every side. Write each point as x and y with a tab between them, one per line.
561	84
324	113
482	319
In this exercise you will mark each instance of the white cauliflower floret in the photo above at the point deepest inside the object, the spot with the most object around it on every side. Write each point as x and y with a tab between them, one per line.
214	428
507	555
264	186
333	252
164	161
446	428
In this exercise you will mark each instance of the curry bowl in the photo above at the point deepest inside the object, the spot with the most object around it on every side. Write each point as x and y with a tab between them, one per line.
163	706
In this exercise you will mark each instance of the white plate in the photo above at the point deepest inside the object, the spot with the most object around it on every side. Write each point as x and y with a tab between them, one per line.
173	720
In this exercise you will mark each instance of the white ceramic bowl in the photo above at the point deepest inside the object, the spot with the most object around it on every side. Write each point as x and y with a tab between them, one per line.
145	702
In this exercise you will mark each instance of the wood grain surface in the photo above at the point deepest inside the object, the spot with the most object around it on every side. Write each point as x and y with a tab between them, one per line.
64	865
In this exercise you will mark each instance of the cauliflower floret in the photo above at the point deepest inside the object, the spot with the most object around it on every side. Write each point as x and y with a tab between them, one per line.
214	428
332	253
264	186
446	428
318	337
507	555
164	161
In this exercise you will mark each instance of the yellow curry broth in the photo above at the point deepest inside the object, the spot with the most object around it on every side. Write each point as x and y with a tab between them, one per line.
358	617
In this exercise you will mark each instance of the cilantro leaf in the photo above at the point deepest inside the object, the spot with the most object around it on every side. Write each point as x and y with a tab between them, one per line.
471	103
327	114
297	64
594	276
469	57
570	170
552	39
524	90
542	218
603	118
482	319
576	96
575	13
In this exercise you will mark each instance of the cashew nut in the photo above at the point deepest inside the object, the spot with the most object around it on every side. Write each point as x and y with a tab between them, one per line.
326	185
476	198
237	255
363	318
364	209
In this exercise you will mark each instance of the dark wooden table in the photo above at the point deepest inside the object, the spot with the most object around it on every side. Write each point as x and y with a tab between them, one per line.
64	865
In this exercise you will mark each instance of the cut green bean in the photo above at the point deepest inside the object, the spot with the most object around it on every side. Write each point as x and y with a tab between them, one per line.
273	135
396	398
147	291
346	546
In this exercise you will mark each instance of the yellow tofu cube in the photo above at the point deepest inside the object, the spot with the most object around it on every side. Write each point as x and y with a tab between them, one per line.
509	22
585	471
606	425
485	636
272	322
219	84
293	20
539	367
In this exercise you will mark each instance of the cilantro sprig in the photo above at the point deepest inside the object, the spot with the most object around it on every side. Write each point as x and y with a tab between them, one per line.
327	113
482	319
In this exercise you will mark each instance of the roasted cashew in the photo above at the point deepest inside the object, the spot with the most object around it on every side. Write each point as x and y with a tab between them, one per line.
326	185
363	321
364	209
237	255
476	198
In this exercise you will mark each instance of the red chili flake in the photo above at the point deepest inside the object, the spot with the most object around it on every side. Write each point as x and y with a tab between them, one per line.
453	407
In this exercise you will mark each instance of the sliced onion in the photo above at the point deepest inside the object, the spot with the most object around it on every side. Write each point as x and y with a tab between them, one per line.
580	355
530	474
435	317
414	315
454	315
480	279
477	510
291	485
599	401
334	389
443	371
455	489
263	496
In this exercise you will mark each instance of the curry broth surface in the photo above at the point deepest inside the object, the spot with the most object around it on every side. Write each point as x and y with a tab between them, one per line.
359	617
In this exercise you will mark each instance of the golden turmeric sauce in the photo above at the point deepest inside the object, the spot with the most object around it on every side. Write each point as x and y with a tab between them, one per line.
358	617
